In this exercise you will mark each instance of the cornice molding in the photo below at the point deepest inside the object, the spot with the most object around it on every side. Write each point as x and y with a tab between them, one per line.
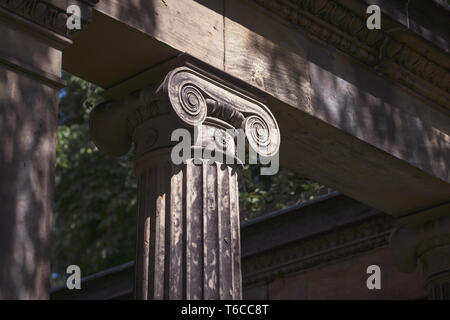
331	23
48	78
316	250
47	14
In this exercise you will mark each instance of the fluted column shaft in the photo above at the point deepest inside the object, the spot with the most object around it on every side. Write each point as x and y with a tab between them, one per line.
188	230
188	243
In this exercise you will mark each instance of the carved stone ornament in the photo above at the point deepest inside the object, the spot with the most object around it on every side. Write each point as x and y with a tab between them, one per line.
333	23
188	234
49	14
428	243
186	98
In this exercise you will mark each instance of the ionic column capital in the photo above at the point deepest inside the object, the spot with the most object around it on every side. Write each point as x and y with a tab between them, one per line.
428	243
185	98
188	243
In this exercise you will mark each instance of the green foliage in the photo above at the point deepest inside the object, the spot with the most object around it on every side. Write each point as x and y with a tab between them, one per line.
263	194
95	200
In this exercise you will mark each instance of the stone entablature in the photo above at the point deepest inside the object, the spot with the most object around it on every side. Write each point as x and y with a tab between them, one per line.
333	23
51	14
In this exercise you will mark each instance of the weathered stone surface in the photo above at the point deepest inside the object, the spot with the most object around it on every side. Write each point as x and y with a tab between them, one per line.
429	244
188	231
306	260
188	243
33	35
30	68
374	129
345	279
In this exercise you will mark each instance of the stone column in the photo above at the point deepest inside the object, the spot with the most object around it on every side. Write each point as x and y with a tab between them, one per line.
429	243
188	243
33	35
